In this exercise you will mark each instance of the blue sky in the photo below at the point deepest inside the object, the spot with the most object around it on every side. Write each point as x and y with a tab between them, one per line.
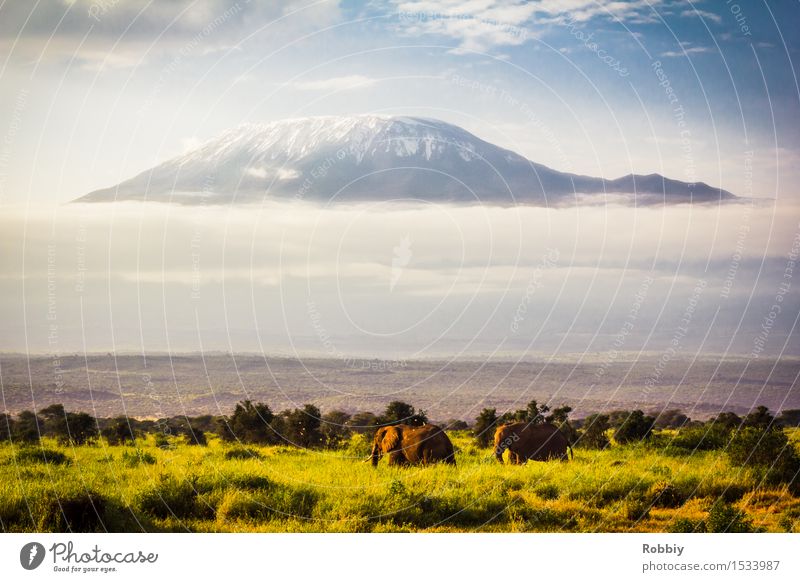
94	91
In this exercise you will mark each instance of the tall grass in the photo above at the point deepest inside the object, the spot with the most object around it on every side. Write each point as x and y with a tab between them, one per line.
224	488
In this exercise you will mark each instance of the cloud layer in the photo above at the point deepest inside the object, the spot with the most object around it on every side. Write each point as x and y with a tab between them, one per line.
401	282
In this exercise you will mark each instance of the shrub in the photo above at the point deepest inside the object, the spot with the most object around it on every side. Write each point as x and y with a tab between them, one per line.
727	419
637	509
250	423
359	446
671	419
42	455
560	418
635	427
302	426
724	518
119	431
548	492
68	427
594	432
162	441
82	428
666	495
242	453
363	423
485	426
534	413
702	438
724	491
6	427
167	497
790	417
27	428
398	412
456	424
137	457
790	520
334	428
195	436
277	502
770	451
249	482
759	418
79	512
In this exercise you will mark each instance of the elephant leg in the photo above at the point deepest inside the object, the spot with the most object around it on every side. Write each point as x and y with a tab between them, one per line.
397	458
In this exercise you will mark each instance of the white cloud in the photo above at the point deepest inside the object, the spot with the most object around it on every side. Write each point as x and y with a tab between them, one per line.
688	50
344	83
478	25
287	174
482	25
257	172
633	11
703	14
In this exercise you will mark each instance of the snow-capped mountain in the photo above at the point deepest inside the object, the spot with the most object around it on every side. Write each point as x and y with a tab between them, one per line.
370	157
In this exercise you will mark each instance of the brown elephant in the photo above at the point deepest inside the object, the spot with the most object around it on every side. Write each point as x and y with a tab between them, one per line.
412	445
524	441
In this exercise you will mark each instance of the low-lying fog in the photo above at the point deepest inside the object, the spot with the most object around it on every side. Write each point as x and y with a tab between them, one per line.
400	281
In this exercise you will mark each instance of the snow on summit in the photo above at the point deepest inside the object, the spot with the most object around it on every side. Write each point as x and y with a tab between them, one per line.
370	158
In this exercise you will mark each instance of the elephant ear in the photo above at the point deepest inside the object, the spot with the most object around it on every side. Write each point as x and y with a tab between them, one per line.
391	439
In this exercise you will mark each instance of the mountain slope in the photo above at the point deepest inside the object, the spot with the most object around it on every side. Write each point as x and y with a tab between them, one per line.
359	158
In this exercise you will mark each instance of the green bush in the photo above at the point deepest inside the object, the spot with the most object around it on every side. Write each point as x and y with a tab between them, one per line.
724	518
276	502
77	512
666	495
485	426
708	437
635	427
593	434
249	482
169	497
14	514
637	509
251	423
790	520
242	453
548	492
137	457
35	454
769	451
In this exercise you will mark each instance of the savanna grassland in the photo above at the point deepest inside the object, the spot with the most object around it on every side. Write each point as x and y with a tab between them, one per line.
157	485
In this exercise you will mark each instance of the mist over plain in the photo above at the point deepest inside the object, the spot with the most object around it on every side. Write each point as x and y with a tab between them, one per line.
399	280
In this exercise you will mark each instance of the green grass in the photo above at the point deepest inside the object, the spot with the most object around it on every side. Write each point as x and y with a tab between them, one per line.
279	489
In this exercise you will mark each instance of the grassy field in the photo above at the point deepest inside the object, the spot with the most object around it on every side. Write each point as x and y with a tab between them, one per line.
229	488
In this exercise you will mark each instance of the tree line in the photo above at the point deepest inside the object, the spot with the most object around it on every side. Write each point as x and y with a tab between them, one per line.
307	427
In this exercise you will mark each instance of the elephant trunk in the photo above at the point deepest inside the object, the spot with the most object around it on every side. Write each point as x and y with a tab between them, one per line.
501	443
498	454
499	449
375	455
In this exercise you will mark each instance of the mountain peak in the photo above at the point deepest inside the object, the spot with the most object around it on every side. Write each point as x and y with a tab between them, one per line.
373	157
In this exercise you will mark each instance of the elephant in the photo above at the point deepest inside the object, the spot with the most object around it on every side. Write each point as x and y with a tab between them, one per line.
412	445
525	441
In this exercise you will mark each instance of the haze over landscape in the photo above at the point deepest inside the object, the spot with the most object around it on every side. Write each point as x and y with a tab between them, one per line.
455	204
